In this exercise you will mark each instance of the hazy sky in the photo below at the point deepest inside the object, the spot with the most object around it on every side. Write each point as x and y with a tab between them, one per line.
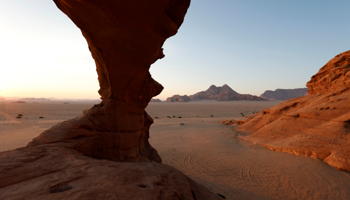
251	45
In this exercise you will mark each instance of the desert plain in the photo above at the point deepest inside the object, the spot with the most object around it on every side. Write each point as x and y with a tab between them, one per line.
203	149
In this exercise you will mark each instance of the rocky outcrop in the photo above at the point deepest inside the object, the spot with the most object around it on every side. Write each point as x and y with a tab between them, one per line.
76	159
124	45
49	172
224	93
284	94
333	76
317	125
178	98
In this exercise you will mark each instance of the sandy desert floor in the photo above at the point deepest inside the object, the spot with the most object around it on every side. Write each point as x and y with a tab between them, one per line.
208	152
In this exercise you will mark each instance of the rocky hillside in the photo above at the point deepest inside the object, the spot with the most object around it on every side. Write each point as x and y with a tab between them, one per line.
284	94
224	93
316	125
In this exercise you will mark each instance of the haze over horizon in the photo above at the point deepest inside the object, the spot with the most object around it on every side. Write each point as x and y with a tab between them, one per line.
252	46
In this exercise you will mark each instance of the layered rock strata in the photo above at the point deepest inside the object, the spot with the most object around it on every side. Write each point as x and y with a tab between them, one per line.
317	125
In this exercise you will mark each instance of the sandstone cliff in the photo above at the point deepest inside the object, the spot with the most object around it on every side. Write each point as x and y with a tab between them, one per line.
284	94
317	125
224	93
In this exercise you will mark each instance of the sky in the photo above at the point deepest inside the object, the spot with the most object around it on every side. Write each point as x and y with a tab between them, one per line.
250	45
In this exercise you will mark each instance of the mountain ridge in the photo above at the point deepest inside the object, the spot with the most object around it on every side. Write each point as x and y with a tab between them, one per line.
220	93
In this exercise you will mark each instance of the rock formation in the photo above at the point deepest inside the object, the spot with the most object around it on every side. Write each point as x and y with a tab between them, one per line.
178	98
224	93
317	125
124	45
155	100
76	159
48	172
284	94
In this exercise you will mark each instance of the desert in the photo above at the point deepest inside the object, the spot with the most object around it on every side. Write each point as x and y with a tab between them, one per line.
214	144
208	152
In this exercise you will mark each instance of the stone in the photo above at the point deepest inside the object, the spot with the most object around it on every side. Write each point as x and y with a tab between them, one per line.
55	173
105	153
317	125
333	76
125	38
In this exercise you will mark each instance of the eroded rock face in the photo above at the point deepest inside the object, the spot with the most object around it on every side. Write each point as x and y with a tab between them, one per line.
51	172
76	159
125	38
317	125
333	76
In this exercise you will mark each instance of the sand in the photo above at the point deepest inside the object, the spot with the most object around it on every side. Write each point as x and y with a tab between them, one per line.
208	152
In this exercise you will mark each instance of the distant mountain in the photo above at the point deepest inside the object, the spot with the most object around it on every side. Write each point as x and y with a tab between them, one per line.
284	94
155	100
34	99
178	98
224	93
2	98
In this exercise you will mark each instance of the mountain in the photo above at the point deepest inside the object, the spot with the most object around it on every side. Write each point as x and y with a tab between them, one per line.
1	98
178	98
34	99
155	100
224	93
284	94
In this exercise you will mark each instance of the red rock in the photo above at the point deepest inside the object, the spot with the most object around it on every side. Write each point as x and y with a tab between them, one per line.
317	125
124	38
50	172
332	76
76	159
233	122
